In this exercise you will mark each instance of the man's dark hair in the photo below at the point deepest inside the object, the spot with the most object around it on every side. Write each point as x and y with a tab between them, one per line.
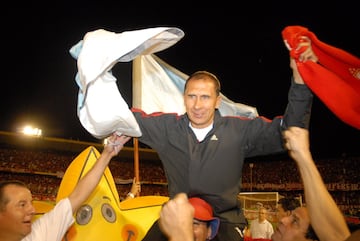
289	203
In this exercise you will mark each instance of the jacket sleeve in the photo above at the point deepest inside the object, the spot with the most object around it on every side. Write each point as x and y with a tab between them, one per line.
298	110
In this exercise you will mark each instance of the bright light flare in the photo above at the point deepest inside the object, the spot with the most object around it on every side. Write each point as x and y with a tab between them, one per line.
30	131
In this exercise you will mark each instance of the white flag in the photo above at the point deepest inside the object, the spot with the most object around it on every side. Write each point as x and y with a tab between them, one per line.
101	108
159	87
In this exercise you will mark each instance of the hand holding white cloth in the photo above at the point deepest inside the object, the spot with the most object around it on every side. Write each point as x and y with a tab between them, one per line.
101	108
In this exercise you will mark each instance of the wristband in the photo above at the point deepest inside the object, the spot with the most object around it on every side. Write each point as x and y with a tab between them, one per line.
130	194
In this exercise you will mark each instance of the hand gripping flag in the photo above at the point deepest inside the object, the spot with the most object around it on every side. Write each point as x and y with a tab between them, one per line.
101	108
335	79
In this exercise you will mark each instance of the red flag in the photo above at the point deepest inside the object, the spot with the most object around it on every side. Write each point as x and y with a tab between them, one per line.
335	79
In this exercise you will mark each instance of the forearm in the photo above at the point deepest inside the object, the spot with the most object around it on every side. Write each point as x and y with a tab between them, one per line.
326	218
88	183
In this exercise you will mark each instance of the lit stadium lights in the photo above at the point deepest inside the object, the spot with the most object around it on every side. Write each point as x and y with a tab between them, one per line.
28	130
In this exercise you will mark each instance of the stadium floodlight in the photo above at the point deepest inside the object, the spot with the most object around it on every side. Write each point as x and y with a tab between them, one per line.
30	131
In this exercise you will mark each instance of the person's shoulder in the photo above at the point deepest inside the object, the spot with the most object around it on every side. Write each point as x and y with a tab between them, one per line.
63	203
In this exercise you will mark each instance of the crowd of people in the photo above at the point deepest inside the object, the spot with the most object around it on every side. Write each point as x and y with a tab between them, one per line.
43	171
335	170
22	164
319	220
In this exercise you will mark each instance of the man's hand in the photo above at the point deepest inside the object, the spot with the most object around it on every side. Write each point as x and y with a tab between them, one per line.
115	143
297	142
306	54
176	219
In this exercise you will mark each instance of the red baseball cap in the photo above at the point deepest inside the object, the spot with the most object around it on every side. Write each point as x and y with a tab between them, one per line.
203	212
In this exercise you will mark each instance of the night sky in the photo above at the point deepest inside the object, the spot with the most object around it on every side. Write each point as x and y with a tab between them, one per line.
241	45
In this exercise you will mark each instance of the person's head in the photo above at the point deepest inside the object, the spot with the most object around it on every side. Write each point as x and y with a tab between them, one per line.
285	206
201	98
16	210
295	227
205	224
262	214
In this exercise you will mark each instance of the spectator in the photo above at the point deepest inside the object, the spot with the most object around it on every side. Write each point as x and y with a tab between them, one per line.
17	211
321	213
205	225
261	228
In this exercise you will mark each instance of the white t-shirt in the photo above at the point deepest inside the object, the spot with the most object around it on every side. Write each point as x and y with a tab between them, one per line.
261	230
53	225
201	133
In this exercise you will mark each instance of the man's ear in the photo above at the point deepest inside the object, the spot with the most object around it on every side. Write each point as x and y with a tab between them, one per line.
208	233
218	102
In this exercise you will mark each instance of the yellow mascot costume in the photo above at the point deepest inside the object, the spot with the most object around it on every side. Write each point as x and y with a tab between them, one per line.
102	216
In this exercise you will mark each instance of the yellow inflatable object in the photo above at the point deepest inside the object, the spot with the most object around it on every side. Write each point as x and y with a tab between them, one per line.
102	216
138	214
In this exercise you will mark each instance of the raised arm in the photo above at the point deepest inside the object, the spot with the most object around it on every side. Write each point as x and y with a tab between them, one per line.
325	216
300	97
88	183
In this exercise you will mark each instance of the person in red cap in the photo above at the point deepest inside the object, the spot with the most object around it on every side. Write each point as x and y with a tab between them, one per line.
188	219
205	225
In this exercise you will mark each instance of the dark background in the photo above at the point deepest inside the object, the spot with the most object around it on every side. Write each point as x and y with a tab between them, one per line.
241	44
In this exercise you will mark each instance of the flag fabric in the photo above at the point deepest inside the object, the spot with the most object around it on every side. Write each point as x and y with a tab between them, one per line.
101	108
159	87
335	79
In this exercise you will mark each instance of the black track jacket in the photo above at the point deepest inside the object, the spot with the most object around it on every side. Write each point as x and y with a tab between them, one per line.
212	168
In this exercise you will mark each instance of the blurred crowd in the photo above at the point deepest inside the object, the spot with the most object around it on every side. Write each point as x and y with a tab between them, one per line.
43	171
